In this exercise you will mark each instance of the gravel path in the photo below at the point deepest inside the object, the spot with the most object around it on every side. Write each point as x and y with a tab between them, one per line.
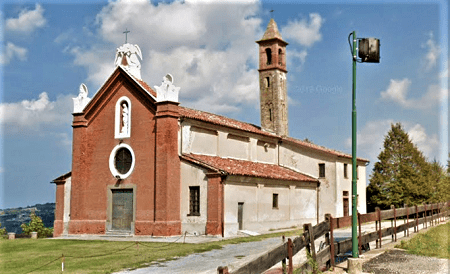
397	261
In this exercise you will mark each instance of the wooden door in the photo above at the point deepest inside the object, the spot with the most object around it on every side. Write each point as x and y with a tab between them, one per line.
346	206
240	214
122	209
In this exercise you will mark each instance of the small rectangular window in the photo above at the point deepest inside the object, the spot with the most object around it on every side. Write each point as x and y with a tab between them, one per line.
345	171
345	193
321	170
275	200
194	201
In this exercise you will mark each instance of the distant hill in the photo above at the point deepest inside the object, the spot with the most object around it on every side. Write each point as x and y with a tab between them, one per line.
12	218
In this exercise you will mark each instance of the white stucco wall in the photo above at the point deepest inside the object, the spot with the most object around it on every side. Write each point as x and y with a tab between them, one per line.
202	141
230	143
66	215
266	152
234	146
193	176
296	204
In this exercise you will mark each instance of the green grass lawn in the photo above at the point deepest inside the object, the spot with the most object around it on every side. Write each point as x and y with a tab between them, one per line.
44	255
433	243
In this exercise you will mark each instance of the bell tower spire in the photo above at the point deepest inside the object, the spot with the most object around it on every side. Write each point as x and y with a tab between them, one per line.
272	80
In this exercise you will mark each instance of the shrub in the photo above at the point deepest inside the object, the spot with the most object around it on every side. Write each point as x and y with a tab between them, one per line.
2	230
36	225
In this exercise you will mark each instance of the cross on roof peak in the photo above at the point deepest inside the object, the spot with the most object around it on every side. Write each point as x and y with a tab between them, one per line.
126	35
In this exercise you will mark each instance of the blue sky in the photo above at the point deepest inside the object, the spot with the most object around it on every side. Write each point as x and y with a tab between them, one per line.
49	49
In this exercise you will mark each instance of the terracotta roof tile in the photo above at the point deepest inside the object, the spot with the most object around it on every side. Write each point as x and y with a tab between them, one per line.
248	168
228	122
222	121
321	148
146	86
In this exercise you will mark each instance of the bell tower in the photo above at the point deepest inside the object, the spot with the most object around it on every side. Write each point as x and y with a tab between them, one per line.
272	81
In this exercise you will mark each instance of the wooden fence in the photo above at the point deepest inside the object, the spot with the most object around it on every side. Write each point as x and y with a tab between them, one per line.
412	217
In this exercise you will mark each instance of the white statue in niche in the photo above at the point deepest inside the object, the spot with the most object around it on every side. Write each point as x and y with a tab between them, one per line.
167	91
82	100
125	121
127	56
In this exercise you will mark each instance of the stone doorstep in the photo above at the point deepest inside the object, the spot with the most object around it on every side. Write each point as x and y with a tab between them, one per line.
118	233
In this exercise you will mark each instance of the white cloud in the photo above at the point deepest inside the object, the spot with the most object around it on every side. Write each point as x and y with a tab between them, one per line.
397	91
429	145
35	115
212	58
27	21
303	32
433	51
294	57
11	52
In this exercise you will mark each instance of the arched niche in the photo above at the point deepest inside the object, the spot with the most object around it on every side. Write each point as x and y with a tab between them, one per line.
123	118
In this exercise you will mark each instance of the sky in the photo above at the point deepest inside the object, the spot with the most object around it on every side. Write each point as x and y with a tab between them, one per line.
48	49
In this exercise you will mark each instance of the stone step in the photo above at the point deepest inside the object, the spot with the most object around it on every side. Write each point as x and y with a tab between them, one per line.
118	233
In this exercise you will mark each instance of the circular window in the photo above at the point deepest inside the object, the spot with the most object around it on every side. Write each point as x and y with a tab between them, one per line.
121	161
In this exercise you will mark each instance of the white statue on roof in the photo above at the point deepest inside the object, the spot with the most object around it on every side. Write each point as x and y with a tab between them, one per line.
167	91
82	100
127	57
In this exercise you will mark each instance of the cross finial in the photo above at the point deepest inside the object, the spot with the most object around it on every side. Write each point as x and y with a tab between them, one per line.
126	34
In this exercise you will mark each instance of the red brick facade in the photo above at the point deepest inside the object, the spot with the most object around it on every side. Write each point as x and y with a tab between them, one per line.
155	179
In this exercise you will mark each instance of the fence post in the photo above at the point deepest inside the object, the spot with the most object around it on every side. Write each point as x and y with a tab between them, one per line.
331	242
439	214
404	222
407	221
425	222
291	264
395	224
379	226
431	222
417	219
392	223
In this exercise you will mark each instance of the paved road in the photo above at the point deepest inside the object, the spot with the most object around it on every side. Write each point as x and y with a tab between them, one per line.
236	255
207	262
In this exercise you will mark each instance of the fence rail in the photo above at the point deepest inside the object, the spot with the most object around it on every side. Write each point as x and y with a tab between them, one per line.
421	215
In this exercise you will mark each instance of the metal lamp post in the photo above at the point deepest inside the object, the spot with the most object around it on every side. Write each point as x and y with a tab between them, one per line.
369	51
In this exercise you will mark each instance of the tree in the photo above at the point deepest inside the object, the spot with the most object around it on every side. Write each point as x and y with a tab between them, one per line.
36	225
401	173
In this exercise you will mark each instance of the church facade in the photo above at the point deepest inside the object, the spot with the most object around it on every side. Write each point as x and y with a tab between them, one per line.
142	164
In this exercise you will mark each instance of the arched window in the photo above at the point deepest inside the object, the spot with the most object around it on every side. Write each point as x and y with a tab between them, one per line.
267	82
269	56
123	118
280	57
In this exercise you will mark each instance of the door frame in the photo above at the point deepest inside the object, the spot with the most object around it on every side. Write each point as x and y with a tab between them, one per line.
241	223
110	205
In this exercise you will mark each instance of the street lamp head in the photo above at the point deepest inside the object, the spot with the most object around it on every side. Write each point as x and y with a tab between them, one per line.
369	50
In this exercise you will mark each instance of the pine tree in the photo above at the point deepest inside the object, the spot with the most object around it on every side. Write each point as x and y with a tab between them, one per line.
400	175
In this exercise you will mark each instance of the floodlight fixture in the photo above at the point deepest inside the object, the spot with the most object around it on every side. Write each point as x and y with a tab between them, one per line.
369	50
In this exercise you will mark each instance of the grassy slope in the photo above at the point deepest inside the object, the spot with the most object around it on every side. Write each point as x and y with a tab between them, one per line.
433	243
26	255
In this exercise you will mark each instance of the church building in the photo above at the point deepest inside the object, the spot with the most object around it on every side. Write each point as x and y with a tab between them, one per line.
143	164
